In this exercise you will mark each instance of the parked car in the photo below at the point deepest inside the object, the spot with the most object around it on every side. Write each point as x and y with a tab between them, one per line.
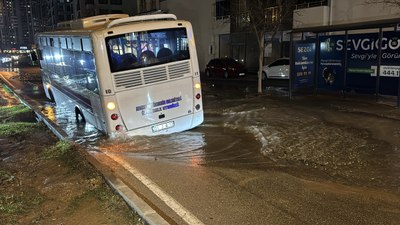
278	69
225	67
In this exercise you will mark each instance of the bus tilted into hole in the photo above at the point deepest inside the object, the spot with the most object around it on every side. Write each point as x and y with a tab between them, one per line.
135	75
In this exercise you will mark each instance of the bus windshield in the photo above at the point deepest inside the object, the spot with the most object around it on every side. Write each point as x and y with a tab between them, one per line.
146	48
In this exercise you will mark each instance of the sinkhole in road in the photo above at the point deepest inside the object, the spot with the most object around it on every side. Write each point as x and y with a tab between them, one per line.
207	145
210	144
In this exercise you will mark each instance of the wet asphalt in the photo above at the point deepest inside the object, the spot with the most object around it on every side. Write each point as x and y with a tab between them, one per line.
266	159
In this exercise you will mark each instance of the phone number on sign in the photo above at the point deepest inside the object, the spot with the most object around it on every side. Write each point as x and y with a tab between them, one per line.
387	71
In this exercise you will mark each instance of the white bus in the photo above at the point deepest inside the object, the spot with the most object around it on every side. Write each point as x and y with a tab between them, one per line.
135	75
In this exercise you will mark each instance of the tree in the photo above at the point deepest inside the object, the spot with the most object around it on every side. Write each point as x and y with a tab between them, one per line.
264	16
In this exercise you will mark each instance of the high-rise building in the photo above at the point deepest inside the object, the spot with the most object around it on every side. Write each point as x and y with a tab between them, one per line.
8	24
55	11
19	21
86	8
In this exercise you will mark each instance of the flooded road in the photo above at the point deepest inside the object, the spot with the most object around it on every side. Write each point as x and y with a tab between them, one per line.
276	157
245	131
263	159
207	145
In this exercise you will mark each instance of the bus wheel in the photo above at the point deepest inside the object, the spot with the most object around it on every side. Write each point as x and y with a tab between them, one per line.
51	95
79	116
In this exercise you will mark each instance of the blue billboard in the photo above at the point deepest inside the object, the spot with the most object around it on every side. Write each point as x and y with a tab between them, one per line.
304	67
331	64
362	61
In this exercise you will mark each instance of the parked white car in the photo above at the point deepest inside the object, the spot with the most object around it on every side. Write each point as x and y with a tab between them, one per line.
278	69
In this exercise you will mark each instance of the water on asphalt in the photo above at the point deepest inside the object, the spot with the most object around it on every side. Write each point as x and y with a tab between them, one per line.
308	146
315	146
248	131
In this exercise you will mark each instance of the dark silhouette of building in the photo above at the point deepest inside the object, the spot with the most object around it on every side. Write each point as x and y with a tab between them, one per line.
87	8
19	21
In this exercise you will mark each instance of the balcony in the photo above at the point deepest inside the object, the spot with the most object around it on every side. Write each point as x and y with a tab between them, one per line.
312	4
311	14
272	17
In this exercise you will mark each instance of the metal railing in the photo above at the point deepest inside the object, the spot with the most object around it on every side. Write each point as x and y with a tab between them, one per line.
312	4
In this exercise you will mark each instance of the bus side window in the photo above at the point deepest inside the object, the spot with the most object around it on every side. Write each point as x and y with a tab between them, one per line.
86	45
76	44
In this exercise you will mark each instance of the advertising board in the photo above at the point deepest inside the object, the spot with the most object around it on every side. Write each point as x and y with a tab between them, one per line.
362	61
331	64
304	67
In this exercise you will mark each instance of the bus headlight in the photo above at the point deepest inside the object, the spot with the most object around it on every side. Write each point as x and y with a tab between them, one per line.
111	105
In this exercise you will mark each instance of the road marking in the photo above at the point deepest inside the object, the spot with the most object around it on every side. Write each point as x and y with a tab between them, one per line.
186	215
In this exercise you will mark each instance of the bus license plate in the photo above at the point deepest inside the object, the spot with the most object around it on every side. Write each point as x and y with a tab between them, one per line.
163	126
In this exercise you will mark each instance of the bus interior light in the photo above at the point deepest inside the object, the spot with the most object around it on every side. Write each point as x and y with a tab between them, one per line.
111	106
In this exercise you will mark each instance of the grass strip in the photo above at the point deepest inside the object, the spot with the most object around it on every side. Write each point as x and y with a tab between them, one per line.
17	128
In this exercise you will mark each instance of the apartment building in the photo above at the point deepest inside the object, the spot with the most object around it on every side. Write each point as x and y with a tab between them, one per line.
221	30
8	24
209	20
55	11
339	12
19	20
87	8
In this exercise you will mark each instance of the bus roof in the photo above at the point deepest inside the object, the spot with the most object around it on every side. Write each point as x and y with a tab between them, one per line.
108	21
89	22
